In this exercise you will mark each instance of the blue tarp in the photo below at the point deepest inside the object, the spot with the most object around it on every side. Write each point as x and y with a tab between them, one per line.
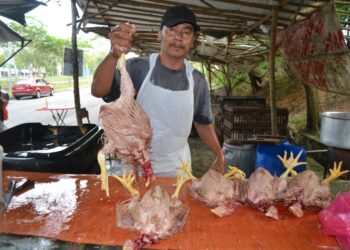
266	157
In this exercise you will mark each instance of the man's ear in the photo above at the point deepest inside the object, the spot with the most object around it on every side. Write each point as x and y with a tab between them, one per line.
159	36
193	43
194	40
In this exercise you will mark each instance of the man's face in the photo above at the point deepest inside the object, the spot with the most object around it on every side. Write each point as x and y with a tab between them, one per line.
177	41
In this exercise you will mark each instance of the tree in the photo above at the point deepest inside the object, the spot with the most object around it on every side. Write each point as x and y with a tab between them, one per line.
45	51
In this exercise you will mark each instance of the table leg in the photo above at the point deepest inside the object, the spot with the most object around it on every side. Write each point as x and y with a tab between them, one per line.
62	116
54	117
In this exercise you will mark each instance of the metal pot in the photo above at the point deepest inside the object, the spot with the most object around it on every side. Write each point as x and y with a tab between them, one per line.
335	129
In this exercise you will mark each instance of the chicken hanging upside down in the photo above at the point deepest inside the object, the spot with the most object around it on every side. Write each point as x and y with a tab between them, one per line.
127	129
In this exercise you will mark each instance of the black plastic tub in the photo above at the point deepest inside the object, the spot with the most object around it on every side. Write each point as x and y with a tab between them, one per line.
45	148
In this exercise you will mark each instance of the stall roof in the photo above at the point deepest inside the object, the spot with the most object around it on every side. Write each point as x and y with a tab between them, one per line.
16	9
9	35
231	30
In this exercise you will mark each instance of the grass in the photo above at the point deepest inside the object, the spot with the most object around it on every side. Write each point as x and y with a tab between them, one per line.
297	122
66	86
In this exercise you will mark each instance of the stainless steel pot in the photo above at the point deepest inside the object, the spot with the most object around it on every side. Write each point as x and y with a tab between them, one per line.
335	129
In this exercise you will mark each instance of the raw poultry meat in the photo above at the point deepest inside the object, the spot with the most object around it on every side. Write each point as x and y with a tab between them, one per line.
306	190
262	189
213	188
259	192
156	215
127	127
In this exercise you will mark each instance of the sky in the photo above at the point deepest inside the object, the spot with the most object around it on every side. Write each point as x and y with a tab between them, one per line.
55	16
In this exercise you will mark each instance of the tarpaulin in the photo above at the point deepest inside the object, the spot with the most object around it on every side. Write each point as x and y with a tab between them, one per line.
9	35
316	51
266	157
73	208
16	9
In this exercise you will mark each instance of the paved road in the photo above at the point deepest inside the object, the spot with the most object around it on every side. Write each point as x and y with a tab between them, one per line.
23	111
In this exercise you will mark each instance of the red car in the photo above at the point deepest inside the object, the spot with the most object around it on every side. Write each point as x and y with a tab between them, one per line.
35	87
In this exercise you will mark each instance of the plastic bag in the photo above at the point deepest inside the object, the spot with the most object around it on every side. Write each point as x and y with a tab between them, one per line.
335	219
266	157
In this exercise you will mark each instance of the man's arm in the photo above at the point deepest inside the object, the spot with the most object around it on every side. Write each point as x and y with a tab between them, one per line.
103	77
207	134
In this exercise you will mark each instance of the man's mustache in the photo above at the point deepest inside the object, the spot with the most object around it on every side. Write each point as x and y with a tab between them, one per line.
176	45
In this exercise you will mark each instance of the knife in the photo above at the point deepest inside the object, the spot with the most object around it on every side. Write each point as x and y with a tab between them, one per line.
8	195
22	185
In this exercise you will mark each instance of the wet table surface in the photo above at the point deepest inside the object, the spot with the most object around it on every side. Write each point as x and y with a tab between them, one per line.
73	208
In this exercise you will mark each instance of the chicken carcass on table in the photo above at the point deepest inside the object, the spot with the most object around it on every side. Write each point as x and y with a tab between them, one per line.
127	128
306	190
215	189
156	215
262	189
259	192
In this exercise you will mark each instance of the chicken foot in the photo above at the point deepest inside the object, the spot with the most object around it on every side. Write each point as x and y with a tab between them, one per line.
335	173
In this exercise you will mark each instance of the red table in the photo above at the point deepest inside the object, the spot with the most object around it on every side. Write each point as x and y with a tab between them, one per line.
58	112
73	208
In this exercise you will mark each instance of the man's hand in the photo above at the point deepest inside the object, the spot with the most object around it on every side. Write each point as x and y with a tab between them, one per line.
207	134
121	39
219	164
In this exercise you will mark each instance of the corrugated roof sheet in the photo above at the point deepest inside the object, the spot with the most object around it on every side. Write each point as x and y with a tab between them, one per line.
243	23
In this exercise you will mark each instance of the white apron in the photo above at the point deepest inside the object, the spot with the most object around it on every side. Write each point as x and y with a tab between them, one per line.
171	115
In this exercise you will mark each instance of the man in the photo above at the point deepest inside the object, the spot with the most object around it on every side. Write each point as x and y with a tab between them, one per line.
169	90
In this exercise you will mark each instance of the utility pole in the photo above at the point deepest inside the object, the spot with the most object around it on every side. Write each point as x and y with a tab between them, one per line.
75	64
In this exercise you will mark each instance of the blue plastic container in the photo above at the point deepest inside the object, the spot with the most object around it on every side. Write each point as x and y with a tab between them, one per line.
266	157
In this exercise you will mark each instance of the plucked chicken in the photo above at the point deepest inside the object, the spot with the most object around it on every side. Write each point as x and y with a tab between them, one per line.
215	189
262	189
306	190
127	127
156	215
259	192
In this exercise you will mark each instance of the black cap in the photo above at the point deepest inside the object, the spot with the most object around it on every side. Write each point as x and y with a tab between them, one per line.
179	14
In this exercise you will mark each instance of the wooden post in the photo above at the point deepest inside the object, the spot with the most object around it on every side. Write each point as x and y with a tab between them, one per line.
312	109
75	64
228	79
209	77
272	71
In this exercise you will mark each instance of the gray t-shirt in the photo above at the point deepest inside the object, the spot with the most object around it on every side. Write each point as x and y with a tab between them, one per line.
175	80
